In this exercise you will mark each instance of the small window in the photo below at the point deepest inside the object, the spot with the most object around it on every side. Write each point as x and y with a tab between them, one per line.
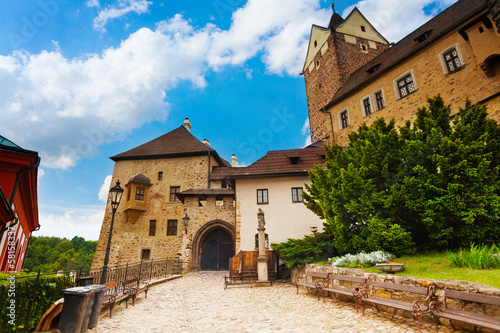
363	47
262	197
452	60
173	191
343	119
379	100
160	175
367	106
139	194
363	28
145	254
223	184
315	43
481	30
172	228
266	241
152	228
406	86
423	37
317	63
296	194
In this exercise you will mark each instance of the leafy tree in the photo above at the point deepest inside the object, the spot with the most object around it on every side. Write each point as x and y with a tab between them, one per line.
429	185
50	254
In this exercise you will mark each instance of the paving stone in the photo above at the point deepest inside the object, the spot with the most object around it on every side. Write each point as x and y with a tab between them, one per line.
197	302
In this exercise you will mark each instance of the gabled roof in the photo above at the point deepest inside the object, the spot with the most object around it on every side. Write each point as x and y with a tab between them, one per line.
177	143
441	24
277	163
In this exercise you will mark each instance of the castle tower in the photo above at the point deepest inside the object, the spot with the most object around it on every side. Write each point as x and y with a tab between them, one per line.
333	54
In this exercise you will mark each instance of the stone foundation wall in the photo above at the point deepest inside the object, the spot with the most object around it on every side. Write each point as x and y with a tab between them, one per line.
438	294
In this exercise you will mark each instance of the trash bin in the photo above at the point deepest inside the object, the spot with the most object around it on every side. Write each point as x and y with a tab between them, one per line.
100	291
85	280
75	315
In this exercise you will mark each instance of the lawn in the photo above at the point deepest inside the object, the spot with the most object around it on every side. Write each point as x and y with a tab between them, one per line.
437	266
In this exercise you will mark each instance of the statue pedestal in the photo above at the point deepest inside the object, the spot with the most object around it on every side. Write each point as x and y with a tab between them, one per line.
262	269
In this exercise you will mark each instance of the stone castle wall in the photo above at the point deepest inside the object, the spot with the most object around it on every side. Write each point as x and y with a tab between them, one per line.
129	238
430	79
329	72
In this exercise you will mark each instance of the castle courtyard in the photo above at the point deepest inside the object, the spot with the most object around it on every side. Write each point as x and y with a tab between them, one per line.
197	302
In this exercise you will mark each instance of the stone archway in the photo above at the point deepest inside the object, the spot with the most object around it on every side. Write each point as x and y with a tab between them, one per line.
208	229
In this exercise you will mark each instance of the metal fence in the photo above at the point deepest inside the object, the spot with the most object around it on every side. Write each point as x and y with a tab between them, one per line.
33	294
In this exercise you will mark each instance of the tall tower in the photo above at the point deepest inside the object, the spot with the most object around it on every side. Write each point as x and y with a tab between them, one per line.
334	53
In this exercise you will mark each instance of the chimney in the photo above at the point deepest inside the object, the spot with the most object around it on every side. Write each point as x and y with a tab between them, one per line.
187	124
234	161
205	141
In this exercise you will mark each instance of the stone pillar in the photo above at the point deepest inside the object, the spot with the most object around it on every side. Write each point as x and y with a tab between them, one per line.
262	258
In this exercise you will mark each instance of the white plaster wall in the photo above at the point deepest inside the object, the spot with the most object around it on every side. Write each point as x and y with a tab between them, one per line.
284	218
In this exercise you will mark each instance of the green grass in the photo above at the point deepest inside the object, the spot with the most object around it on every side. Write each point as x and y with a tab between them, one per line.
437	266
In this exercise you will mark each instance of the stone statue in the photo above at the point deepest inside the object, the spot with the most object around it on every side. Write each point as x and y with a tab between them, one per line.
260	217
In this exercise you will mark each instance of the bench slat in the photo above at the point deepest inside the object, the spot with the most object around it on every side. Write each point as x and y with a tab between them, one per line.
356	279
339	290
479	320
402	305
463	295
401	287
322	275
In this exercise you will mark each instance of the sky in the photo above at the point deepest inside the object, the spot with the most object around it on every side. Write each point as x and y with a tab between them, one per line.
81	81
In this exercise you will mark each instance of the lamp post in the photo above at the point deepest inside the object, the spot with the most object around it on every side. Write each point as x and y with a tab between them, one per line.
116	193
186	219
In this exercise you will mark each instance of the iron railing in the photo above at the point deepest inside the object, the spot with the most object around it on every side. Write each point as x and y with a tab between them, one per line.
31	299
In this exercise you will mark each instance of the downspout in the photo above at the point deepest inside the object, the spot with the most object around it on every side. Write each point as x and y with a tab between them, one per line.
208	185
331	122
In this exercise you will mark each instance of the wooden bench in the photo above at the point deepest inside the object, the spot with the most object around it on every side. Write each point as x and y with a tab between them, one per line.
465	316
322	279
348	291
132	291
370	296
111	299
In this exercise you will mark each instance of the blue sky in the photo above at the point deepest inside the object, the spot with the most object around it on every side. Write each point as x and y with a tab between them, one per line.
84	80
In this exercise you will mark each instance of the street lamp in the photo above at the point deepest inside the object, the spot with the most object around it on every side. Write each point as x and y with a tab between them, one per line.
186	219
115	193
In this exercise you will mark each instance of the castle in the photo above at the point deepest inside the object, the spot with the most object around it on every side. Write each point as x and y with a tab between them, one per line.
183	200
353	75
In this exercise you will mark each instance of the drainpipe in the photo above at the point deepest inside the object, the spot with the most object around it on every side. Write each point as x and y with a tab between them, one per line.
331	122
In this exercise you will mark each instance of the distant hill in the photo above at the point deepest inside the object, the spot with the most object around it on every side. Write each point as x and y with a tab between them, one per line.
51	254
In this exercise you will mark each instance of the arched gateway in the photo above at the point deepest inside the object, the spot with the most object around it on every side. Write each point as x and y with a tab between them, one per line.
213	245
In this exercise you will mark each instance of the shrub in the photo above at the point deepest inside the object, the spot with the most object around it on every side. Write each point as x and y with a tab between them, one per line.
363	259
478	257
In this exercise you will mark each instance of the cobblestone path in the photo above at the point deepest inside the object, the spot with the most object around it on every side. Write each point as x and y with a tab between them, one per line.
197	302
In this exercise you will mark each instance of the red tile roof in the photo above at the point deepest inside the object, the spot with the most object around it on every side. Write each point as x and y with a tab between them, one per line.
276	163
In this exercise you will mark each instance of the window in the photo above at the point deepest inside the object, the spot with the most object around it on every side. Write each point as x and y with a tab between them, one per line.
160	175
139	194
363	28
343	119
406	85
172	228
364	48
145	254
173	191
379	100
452	60
366	104
152	227
266	241
423	37
317	63
315	43
296	194
262	197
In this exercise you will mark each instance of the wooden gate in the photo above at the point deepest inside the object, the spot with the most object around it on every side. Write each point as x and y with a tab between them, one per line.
243	266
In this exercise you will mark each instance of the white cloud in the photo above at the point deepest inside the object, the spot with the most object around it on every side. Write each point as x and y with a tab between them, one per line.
104	191
92	3
70	222
395	19
112	12
66	108
305	127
